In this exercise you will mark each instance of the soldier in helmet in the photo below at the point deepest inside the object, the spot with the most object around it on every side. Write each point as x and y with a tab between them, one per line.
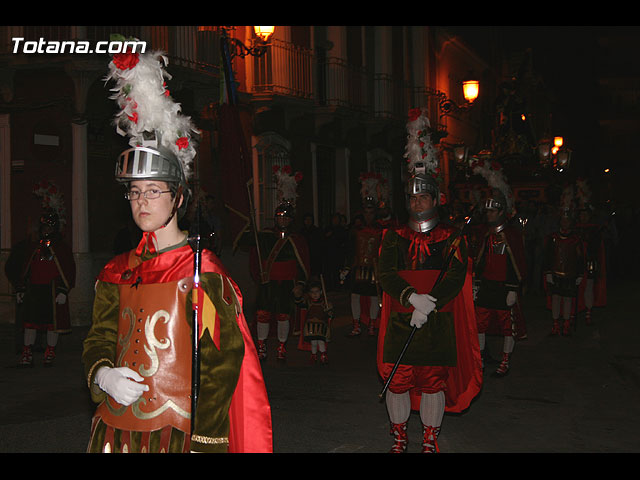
564	266
362	260
43	278
440	370
139	352
280	265
499	270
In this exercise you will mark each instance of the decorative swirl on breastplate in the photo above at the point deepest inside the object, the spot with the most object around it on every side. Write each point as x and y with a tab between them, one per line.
153	342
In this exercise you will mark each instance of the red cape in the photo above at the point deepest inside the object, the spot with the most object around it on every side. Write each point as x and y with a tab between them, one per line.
250	411
465	379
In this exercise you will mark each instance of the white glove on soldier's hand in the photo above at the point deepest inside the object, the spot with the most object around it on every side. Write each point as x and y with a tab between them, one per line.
511	298
20	297
549	278
424	302
61	298
578	280
117	384
418	319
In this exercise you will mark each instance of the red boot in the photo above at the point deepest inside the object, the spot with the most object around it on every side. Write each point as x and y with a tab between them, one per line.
324	358
356	329
262	349
49	356
555	330
430	439
399	432
503	368
26	359
282	352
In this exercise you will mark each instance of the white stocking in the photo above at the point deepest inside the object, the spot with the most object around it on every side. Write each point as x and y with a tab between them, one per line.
314	346
52	338
374	309
29	336
398	406
509	342
283	330
566	307
481	341
262	330
355	306
588	294
432	409
555	306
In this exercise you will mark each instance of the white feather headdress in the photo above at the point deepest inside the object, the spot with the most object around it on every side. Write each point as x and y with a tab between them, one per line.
419	148
51	198
495	177
147	107
374	185
286	184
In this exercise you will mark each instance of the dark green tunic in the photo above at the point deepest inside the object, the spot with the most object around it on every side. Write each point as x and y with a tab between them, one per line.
435	343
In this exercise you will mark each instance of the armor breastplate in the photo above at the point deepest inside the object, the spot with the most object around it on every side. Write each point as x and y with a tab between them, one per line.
366	254
154	339
565	257
497	245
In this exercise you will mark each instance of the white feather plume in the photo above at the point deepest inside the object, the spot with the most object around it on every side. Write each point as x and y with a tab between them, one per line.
419	148
493	174
146	106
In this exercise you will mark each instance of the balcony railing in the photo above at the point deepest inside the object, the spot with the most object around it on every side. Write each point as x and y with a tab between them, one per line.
286	69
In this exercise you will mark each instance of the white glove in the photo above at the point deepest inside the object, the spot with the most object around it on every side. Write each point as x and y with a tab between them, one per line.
61	298
423	302
511	298
549	278
418	319
115	381
20	297
578	281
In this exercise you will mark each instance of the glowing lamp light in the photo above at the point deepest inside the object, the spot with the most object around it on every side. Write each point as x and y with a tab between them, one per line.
471	88
264	32
558	141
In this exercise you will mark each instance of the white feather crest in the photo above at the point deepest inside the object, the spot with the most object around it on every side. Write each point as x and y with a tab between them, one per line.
493	174
146	106
419	148
286	184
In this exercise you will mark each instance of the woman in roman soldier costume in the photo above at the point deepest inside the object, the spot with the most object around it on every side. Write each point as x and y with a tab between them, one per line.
42	275
564	265
139	351
280	265
441	369
499	267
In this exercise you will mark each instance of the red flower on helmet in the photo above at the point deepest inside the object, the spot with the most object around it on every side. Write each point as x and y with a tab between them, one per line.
275	168
126	60
286	169
298	176
414	114
182	142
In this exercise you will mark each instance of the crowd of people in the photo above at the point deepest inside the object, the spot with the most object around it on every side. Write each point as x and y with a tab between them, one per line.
170	359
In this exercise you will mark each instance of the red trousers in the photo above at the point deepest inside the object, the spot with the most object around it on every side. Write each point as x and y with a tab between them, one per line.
421	378
493	321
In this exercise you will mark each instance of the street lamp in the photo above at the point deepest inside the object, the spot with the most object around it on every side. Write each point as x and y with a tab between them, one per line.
470	90
258	45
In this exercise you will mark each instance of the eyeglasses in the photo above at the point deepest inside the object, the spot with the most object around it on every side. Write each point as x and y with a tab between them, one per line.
149	194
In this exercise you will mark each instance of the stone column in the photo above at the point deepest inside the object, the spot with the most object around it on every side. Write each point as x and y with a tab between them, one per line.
83	75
